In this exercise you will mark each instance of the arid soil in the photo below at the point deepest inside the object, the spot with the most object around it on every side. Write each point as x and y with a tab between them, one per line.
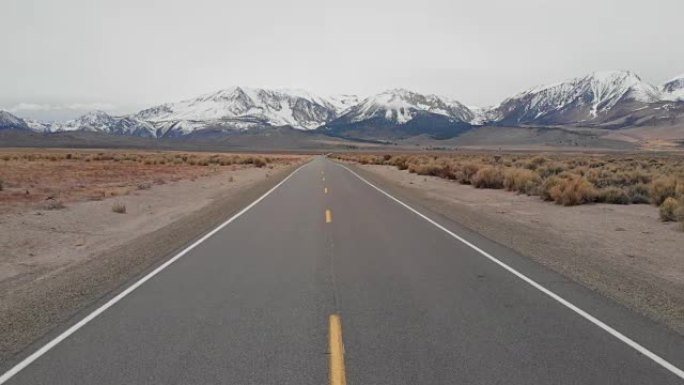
55	261
37	178
623	251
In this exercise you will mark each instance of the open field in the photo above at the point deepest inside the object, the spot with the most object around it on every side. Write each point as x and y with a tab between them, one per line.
624	251
50	178
93	219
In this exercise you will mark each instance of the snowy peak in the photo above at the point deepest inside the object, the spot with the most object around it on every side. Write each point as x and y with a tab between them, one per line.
577	100
609	87
401	106
674	88
11	122
99	121
400	113
245	107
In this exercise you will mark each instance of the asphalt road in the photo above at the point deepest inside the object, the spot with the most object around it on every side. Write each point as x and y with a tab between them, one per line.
251	304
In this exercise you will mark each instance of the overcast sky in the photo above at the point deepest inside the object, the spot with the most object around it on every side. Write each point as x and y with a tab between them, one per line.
60	58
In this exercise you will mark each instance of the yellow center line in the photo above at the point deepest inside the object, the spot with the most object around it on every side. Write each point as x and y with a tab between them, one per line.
328	216
338	375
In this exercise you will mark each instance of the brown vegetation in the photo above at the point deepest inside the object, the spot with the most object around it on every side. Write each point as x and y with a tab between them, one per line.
47	178
566	179
119	208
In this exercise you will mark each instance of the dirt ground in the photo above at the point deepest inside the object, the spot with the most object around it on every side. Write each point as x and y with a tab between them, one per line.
56	262
622	251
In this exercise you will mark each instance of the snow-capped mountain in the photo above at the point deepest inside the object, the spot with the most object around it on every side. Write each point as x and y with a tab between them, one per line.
240	108
99	121
589	99
400	106
400	112
38	125
612	99
674	89
11	122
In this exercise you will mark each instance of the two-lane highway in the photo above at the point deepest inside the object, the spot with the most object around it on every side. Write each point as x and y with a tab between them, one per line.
410	304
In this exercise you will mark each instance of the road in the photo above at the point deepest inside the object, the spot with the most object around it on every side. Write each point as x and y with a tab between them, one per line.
251	304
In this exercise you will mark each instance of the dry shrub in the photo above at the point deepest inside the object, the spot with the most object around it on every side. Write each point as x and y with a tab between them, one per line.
572	190
613	195
259	162
639	193
399	162
467	171
424	168
119	208
662	188
564	178
668	208
488	177
521	180
535	162
547	185
551	169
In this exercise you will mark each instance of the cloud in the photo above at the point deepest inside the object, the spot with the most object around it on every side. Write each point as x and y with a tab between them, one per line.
31	107
25	107
91	106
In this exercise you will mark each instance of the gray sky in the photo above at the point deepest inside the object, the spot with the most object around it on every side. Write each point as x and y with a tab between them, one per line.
60	58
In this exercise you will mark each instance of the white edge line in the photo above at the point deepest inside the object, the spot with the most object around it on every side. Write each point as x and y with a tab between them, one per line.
633	344
45	348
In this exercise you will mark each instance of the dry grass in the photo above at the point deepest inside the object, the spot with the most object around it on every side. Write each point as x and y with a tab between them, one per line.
30	176
566	179
119	208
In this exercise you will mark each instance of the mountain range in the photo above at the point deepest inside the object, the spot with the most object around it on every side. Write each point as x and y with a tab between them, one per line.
609	100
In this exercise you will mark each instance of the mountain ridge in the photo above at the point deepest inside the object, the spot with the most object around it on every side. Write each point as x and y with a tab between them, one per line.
604	99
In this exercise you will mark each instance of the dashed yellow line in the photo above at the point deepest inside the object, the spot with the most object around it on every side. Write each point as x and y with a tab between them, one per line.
325	190
328	216
338	375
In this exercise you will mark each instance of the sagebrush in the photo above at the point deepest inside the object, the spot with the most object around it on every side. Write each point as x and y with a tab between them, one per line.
566	179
